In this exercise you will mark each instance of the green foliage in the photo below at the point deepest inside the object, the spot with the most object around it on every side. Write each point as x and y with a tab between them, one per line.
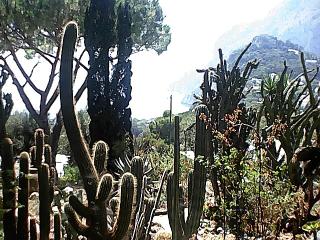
272	52
20	127
311	226
161	126
41	23
71	176
262	197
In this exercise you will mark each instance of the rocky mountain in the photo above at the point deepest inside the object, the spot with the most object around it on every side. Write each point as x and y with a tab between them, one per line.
295	20
272	52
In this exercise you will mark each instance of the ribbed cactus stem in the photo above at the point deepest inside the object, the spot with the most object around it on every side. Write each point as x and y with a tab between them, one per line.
44	199
39	142
104	187
33	156
57	226
137	169
80	208
33	229
126	208
77	144
201	140
47	155
182	229
80	227
197	198
23	197
176	170
100	156
9	190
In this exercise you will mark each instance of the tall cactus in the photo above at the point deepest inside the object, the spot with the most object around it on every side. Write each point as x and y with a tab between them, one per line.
9	190
182	229
44	199
23	197
98	188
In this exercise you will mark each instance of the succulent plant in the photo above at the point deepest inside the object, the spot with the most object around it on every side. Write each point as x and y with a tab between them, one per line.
23	197
9	190
97	184
181	228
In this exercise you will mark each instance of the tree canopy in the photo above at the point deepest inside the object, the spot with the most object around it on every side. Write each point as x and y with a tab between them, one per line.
39	23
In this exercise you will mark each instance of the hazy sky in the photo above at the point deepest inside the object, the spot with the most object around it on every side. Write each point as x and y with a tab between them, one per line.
195	27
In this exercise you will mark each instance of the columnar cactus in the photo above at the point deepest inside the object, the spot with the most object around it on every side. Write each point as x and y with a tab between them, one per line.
44	199
39	144
9	190
23	197
202	141
98	185
182	229
57	226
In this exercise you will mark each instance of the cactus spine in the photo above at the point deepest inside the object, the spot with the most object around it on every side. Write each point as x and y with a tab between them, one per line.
23	197
182	229
98	189
9	190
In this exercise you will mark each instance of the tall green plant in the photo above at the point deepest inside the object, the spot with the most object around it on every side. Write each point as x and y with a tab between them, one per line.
98	185
181	228
288	118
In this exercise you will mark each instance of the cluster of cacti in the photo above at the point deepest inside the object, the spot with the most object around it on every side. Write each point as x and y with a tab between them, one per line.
41	158
21	227
98	184
222	92
108	217
181	228
288	120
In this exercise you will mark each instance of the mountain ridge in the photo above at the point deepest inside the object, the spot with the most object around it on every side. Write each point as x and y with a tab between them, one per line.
295	20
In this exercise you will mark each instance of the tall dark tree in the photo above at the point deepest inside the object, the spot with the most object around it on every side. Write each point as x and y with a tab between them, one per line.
109	77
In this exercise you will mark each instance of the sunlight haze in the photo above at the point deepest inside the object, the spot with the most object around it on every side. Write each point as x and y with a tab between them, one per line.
195	27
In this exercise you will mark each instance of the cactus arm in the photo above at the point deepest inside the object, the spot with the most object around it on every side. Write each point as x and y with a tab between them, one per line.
57	226
8	188
23	197
197	198
39	141
77	144
100	156
82	210
137	169
104	187
33	229
81	229
33	156
47	155
126	208
44	200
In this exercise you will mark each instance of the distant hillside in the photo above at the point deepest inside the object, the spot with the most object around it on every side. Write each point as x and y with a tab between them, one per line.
295	20
272	52
269	50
